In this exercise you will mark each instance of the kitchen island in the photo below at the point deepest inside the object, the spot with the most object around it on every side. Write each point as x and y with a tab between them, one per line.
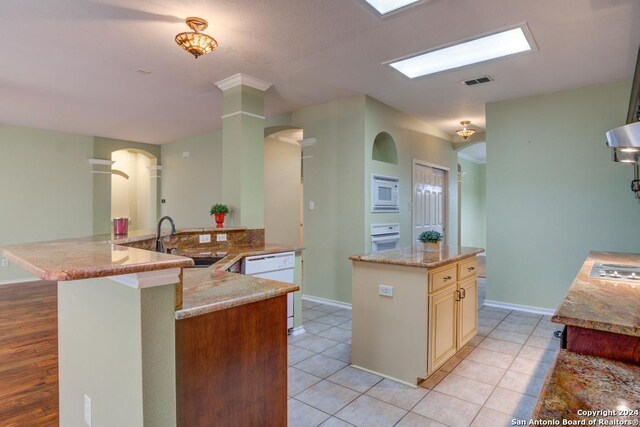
598	367
149	343
412	310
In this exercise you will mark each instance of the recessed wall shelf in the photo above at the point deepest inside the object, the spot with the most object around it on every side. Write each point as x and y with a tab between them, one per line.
384	149
101	162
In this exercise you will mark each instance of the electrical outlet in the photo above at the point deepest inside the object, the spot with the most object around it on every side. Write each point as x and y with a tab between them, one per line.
5	262
205	238
221	237
385	291
87	410
312	205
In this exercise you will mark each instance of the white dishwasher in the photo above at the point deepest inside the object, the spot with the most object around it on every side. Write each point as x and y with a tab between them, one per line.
274	267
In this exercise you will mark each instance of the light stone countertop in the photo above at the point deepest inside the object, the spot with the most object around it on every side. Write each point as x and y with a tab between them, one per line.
416	256
604	305
578	382
86	258
205	290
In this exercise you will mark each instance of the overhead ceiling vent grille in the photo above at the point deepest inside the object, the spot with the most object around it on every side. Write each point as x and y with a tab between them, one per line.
478	80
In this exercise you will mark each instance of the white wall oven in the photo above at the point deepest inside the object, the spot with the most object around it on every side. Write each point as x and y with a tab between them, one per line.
384	237
384	193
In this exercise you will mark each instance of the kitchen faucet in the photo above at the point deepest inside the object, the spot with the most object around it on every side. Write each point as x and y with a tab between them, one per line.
159	245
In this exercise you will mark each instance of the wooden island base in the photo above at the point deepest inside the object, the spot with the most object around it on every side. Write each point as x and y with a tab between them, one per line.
625	348
231	366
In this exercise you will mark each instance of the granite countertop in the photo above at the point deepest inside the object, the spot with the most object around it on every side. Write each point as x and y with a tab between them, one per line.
415	256
205	290
604	305
85	258
588	383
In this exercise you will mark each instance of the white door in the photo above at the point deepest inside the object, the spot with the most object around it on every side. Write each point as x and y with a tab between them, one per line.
429	199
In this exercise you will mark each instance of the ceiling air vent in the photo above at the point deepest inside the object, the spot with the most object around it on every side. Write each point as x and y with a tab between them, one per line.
478	80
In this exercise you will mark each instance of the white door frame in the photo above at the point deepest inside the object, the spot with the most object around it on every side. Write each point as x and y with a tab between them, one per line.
445	220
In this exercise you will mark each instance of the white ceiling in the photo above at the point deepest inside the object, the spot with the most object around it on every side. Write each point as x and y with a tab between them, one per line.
476	153
70	65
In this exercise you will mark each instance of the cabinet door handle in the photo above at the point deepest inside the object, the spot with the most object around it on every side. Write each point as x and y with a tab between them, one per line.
464	292
445	278
470	268
457	295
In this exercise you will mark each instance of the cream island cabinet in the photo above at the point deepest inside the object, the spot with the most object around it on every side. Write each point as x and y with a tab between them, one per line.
413	310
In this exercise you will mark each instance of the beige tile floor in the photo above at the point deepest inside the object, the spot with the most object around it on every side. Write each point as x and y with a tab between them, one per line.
493	380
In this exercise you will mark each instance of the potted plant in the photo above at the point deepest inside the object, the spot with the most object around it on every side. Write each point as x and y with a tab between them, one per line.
219	211
431	240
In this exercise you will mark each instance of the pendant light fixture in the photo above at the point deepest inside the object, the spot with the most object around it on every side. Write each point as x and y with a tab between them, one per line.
465	132
195	42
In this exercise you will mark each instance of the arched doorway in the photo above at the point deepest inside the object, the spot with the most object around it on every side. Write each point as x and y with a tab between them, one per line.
134	187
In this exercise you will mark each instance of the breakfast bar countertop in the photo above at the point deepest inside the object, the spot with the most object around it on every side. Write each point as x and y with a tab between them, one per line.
602	304
211	289
86	258
416	256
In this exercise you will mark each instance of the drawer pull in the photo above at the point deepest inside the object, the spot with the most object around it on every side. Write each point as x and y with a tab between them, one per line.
470	268
445	278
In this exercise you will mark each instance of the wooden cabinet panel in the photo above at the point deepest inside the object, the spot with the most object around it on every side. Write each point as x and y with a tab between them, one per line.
467	268
442	330
440	279
467	311
231	366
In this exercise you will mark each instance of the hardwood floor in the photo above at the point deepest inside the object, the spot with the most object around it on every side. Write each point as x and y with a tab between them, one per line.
29	354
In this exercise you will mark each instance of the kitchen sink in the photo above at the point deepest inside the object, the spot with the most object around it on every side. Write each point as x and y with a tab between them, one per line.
204	262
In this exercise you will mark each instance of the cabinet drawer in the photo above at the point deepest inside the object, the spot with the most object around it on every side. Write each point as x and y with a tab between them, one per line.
467	268
442	278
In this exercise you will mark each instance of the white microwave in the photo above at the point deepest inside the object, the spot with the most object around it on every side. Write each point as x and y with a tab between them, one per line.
384	193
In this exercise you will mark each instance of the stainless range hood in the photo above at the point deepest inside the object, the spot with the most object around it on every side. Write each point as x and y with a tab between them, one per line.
625	140
625	143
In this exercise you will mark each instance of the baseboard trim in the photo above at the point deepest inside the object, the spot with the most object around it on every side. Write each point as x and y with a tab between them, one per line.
384	376
297	331
327	301
519	307
18	281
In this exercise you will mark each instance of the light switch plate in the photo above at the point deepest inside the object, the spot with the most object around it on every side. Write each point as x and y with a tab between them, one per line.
205	238
4	262
221	237
385	291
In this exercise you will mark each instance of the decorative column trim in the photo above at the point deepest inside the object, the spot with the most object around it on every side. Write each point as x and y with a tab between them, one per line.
243	79
149	279
245	113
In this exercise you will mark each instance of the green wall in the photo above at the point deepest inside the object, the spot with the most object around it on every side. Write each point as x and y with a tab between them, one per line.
473	206
191	185
334	181
414	139
46	186
553	193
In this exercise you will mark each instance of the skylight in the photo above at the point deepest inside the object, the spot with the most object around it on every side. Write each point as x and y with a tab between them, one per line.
386	6
481	49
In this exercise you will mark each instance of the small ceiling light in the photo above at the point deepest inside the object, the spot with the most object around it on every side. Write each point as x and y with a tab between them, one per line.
466	53
195	42
465	132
